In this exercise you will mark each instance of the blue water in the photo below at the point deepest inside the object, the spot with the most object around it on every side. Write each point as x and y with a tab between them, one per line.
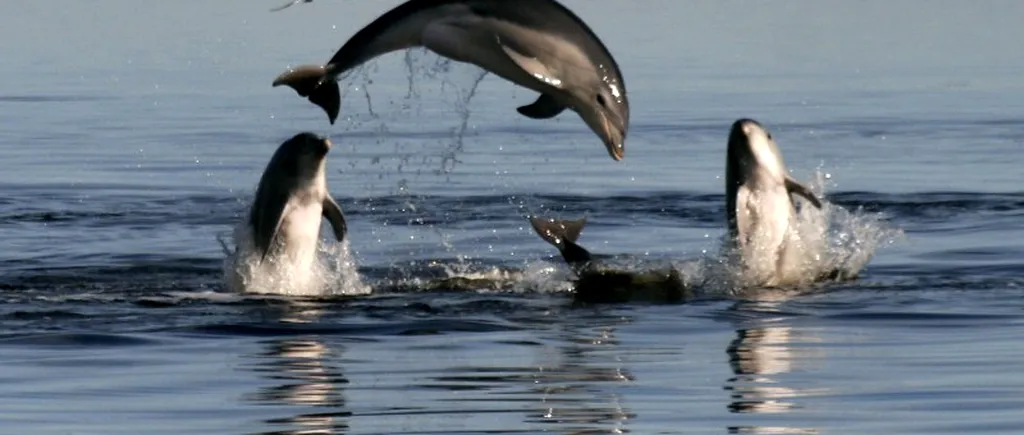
134	135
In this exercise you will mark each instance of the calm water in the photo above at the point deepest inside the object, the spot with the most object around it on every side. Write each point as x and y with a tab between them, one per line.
134	135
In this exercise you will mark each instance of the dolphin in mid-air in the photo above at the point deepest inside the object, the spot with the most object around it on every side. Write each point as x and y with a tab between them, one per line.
537	44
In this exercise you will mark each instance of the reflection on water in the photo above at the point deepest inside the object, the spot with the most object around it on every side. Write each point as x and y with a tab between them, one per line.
577	391
760	356
304	375
570	387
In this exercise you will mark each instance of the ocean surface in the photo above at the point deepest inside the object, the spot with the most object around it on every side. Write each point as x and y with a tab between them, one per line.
134	134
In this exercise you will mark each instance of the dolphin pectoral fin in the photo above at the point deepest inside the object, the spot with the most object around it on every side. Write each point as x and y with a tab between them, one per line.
793	186
544	108
332	212
563	234
312	82
532	66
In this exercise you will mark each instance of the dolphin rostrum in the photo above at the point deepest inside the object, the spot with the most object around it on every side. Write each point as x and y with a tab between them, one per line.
538	44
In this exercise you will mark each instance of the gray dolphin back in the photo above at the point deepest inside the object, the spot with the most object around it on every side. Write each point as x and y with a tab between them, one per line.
278	184
267	212
735	150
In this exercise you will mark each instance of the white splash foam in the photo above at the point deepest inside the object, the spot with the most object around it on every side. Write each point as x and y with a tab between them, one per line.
543	277
826	241
333	271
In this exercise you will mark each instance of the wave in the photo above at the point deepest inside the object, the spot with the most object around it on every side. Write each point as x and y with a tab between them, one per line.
682	208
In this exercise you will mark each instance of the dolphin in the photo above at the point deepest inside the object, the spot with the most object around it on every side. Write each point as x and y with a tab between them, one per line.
600	283
760	212
537	44
284	219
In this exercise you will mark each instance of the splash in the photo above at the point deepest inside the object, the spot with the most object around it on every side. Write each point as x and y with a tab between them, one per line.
832	243
417	136
331	271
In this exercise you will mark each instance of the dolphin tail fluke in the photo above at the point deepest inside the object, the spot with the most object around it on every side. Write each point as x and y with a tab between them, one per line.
794	187
312	82
558	232
563	234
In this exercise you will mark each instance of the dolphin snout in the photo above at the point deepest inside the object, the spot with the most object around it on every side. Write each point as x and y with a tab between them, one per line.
607	124
614	137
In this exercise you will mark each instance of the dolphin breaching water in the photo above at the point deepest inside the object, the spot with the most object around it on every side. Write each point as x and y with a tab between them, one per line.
764	240
283	225
537	44
760	212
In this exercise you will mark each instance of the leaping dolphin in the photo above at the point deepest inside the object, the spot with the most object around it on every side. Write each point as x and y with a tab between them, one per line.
282	228
760	214
538	44
292	196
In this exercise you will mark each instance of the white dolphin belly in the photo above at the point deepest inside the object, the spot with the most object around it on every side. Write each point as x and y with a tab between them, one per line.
299	234
765	216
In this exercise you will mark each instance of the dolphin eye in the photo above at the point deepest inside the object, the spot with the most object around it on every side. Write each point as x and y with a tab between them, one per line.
600	100
769	136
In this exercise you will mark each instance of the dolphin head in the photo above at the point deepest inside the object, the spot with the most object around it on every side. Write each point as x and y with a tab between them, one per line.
753	153
302	156
603	105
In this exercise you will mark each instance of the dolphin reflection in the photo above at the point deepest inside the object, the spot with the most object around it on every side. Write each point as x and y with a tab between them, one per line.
304	376
569	385
578	389
760	356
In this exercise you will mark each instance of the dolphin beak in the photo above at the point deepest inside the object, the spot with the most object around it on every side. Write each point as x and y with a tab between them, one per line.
613	139
327	143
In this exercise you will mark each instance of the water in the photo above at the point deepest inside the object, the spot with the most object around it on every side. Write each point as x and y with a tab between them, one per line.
135	135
